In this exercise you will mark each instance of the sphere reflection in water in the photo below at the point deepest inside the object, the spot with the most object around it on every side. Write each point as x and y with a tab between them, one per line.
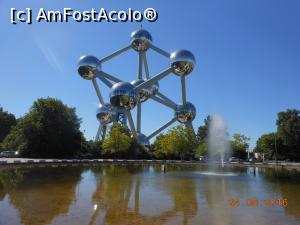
140	40
185	113
105	113
182	62
123	94
88	66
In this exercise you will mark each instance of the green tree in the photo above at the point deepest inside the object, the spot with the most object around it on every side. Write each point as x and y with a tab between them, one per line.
179	142
118	140
288	130
91	149
202	138
240	145
160	146
201	150
50	129
7	121
202	133
266	144
183	142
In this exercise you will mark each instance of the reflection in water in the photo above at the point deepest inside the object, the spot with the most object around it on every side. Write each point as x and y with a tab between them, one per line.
141	194
40	194
217	192
2	192
118	184
183	193
280	181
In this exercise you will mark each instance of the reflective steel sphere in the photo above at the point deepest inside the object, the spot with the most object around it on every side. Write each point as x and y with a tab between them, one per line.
182	62
123	94
88	66
142	139
185	113
144	93
105	113
140	40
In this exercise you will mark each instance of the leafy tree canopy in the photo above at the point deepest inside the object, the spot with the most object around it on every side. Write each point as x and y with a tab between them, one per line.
240	145
202	133
118	140
179	142
7	120
288	127
201	150
288	130
268	144
50	129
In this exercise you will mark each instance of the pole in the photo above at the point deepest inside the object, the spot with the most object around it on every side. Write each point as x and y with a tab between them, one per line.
140	67
183	90
98	92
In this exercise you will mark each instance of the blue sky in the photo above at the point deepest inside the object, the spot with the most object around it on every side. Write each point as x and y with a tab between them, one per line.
247	52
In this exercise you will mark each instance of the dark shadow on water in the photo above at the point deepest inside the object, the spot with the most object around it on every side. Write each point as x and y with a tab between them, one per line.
40	194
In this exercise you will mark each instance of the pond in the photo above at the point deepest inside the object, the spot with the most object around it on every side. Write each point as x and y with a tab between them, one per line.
146	194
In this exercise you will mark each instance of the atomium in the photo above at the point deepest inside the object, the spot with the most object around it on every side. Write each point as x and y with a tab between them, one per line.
123	94
182	62
147	92
127	96
185	113
105	113
141	40
88	66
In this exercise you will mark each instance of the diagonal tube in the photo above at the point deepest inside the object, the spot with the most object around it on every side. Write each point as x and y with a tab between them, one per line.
154	79
110	77
98	92
160	51
131	124
104	80
164	102
161	128
166	99
116	53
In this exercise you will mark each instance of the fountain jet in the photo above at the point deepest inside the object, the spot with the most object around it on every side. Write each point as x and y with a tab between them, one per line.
218	143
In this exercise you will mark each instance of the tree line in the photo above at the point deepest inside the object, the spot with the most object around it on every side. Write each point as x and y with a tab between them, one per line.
51	129
284	143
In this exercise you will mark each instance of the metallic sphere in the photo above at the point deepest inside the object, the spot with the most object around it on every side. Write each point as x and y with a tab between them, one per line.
144	93
105	113
88	66
123	94
185	113
142	139
182	62
140	40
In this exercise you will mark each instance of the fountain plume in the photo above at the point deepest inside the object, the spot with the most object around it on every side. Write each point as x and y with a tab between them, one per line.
218	144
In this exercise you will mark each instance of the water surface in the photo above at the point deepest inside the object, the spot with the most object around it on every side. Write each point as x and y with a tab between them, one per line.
143	194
